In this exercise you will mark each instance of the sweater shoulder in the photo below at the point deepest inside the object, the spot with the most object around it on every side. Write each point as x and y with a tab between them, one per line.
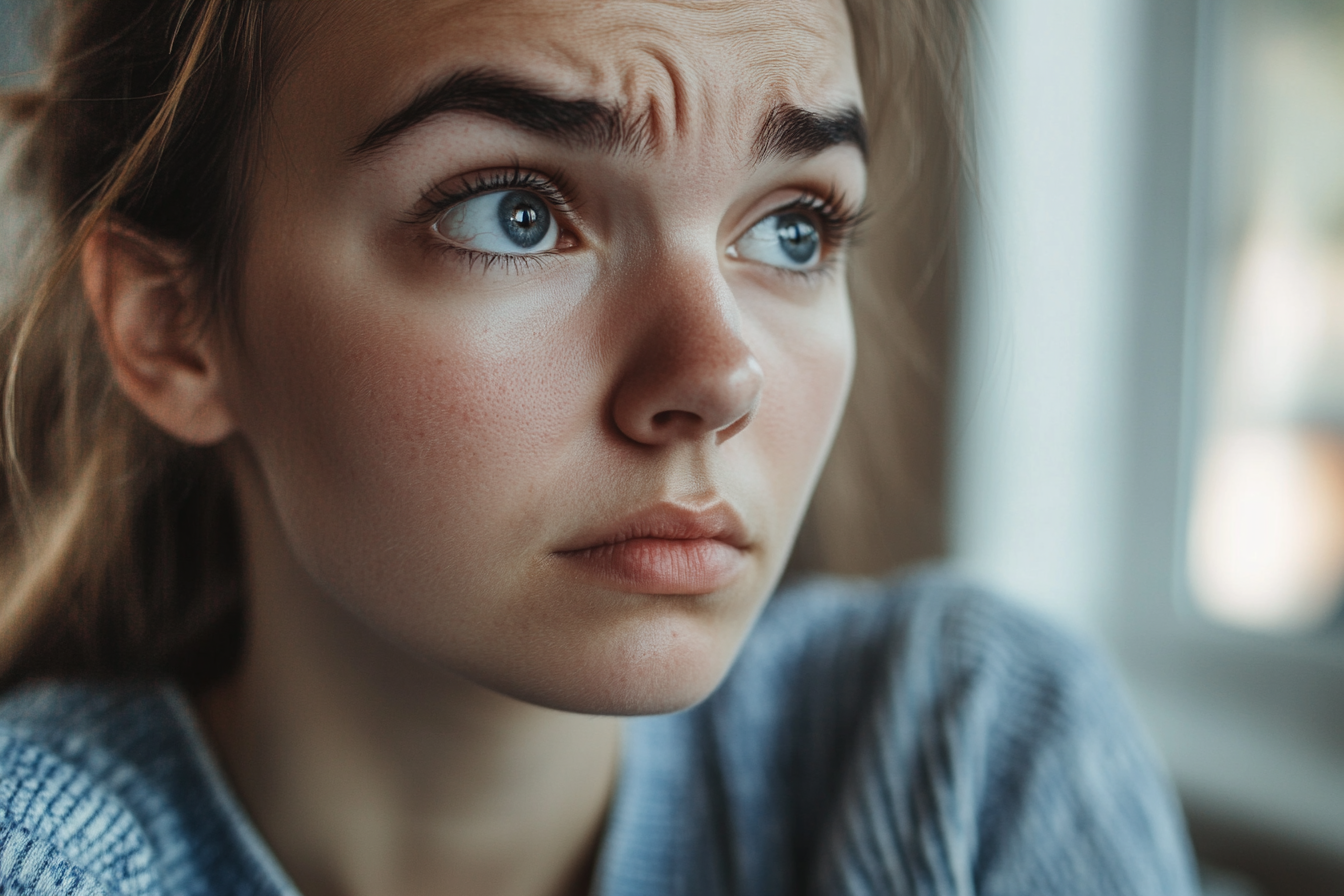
933	628
115	781
69	771
834	663
952	739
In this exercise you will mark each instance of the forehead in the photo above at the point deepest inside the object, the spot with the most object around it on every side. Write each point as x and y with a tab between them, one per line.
680	67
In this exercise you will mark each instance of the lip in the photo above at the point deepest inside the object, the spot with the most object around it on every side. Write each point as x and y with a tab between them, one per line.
665	549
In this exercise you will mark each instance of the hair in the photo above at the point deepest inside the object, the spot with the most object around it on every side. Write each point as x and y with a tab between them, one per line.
120	547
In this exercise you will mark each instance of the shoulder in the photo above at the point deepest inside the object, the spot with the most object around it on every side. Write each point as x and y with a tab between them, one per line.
953	739
917	643
110	788
66	825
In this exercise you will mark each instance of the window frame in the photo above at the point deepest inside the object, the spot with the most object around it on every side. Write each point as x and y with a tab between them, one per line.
1252	724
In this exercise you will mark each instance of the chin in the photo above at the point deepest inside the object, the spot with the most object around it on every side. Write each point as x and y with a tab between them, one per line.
659	669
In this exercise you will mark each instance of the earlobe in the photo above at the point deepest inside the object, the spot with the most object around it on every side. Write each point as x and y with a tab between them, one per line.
144	297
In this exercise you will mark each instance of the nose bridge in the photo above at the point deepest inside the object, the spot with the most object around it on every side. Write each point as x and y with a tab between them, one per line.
694	310
690	371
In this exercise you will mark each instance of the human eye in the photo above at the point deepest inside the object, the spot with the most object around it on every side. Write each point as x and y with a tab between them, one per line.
788	240
505	222
801	237
514	217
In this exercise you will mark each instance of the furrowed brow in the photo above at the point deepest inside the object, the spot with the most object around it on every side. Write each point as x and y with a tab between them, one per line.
794	132
586	122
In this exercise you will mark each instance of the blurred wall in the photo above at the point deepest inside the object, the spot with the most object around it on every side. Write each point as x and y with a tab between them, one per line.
17	56
1040	384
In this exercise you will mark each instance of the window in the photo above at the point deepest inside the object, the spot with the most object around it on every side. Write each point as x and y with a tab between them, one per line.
1151	368
1265	544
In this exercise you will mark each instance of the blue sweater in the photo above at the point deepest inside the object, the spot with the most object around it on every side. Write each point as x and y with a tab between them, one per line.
911	738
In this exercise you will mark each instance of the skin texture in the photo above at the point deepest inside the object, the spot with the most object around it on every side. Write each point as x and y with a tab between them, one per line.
428	433
419	437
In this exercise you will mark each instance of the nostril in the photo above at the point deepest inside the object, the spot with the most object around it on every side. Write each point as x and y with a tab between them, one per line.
692	375
693	404
664	418
737	425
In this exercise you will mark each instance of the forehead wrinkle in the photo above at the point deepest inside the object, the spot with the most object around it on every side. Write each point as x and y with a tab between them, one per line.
652	117
659	93
646	59
661	87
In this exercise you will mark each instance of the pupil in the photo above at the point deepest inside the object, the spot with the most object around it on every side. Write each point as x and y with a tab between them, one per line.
798	238
524	218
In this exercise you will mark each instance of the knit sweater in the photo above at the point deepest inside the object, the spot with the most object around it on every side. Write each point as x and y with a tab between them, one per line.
911	738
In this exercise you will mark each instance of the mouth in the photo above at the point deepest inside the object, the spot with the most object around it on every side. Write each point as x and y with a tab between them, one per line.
665	549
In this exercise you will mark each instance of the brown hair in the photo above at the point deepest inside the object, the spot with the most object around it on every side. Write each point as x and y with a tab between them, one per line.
119	547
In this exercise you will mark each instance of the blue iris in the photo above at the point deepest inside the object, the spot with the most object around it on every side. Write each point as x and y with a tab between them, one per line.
524	218
797	237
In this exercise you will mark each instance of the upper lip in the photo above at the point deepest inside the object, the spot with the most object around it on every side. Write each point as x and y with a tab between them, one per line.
675	522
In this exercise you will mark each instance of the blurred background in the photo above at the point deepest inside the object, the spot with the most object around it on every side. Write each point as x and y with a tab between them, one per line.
1148	402
1141	385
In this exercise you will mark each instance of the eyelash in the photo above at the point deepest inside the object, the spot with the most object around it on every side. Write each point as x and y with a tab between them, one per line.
435	201
837	222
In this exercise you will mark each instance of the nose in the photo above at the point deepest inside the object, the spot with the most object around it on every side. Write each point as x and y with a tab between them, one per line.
690	374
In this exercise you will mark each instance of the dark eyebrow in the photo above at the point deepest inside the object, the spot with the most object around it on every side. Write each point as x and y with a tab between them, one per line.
789	131
794	132
583	121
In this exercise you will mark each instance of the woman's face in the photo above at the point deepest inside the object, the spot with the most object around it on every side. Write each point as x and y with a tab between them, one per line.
544	326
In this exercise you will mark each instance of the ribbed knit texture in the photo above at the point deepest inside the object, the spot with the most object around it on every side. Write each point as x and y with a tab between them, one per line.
915	738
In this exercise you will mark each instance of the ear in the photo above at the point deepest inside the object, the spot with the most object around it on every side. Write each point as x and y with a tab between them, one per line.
144	297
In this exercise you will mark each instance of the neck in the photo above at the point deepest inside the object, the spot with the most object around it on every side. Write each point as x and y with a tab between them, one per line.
370	771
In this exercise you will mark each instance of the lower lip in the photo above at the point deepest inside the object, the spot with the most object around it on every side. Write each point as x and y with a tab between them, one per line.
662	565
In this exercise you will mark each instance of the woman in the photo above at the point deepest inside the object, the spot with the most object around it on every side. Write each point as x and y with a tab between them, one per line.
416	390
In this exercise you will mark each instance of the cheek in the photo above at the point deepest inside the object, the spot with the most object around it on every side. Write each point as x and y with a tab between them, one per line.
808	358
387	436
432	401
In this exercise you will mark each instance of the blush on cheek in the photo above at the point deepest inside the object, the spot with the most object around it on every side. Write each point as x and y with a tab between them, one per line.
401	445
